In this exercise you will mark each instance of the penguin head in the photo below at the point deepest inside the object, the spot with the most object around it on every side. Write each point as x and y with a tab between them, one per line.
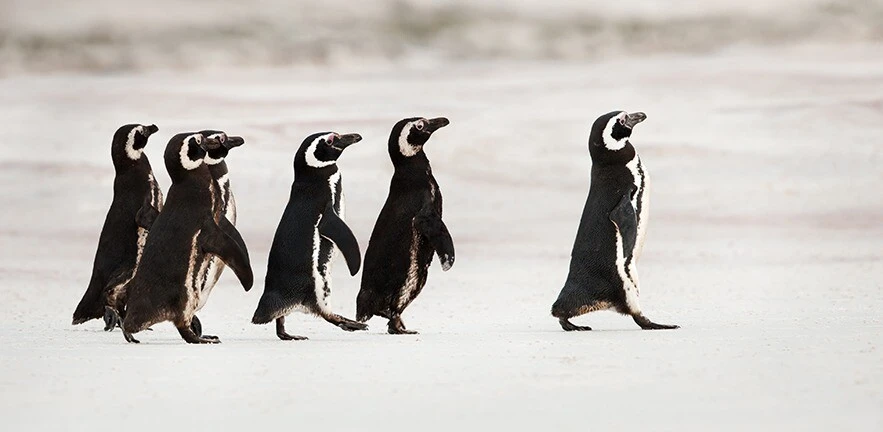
217	145
410	135
129	142
609	139
185	153
321	150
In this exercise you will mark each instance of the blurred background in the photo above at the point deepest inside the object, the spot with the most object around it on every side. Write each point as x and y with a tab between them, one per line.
100	36
765	243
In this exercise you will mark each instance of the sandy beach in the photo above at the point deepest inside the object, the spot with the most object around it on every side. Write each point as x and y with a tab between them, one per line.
765	244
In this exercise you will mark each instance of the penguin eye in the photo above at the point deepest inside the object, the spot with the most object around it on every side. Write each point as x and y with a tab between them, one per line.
222	138
419	126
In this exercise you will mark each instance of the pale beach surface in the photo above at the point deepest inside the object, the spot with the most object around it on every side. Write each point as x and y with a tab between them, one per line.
765	243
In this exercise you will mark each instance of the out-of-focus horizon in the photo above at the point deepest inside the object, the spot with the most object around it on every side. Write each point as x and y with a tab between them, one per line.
100	36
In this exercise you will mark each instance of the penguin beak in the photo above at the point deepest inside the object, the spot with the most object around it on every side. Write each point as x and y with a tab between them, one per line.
147	131
435	124
634	118
344	141
233	142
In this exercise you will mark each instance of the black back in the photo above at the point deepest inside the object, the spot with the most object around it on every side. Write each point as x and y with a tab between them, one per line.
133	186
388	257
593	274
290	280
157	292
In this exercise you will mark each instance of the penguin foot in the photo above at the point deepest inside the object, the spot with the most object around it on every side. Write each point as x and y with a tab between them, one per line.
569	326
396	326
111	319
280	332
196	326
287	337
187	334
646	324
345	324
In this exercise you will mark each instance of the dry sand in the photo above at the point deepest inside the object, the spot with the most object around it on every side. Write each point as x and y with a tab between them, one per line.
764	244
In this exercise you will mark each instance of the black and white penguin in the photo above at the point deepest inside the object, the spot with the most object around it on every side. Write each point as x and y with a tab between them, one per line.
217	146
299	266
408	231
137	199
165	287
612	229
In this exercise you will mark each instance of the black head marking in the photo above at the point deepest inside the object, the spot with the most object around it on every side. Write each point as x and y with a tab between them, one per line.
218	144
609	139
321	150
408	136
184	153
129	142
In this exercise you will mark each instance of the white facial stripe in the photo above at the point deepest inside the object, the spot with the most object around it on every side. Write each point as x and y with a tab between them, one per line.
185	160
609	142
212	161
406	148
311	158
130	144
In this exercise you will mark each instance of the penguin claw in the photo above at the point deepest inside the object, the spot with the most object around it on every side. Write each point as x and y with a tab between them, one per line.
569	326
402	331
288	337
353	326
646	324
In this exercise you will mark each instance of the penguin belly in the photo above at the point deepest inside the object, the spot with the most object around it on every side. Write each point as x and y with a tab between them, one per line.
418	269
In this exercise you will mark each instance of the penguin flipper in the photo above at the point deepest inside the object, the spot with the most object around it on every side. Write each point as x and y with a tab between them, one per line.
430	225
626	220
333	228
220	242
146	215
231	231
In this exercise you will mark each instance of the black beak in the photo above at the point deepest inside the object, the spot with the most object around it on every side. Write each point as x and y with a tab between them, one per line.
634	118
234	141
435	124
149	130
344	141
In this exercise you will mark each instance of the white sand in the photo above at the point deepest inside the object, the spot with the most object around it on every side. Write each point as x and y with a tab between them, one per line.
764	244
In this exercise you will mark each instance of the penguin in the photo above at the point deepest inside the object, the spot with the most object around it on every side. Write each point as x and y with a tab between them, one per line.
165	286
408	231
137	200
223	206
312	226
611	232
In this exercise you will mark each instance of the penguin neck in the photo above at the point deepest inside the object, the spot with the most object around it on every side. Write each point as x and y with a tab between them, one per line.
218	170
122	163
418	163
198	177
604	157
315	174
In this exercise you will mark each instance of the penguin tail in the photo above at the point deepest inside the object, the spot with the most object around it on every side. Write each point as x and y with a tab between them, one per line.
91	306
268	309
